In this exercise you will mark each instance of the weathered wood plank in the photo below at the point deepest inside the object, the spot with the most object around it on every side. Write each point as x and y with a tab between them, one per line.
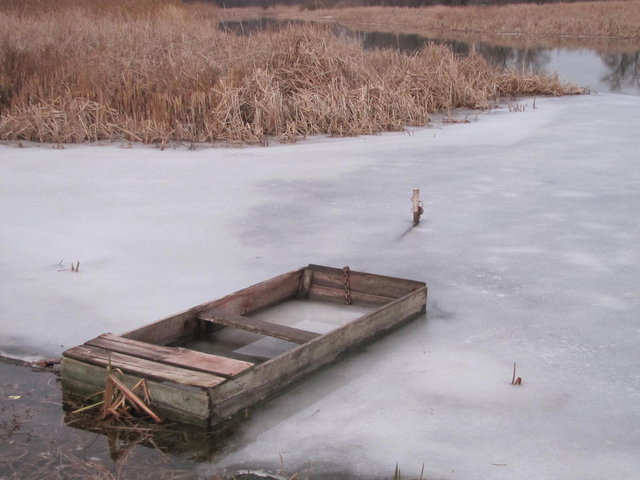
79	390
142	367
305	283
259	296
262	327
337	295
185	404
177	328
176	356
364	282
270	377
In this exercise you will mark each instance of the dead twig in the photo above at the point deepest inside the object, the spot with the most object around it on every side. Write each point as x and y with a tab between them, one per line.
74	267
127	394
88	407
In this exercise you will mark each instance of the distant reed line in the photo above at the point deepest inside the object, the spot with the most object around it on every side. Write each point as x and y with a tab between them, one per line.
618	19
158	71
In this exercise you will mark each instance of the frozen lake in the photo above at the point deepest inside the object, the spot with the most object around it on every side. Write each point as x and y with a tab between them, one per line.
529	246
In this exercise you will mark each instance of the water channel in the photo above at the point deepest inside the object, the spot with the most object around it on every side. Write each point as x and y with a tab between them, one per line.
599	71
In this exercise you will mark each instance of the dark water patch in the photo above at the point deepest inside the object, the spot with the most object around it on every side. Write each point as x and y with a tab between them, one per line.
41	440
405	42
257	25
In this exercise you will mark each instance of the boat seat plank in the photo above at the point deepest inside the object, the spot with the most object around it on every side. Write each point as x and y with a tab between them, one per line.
176	356
141	367
262	327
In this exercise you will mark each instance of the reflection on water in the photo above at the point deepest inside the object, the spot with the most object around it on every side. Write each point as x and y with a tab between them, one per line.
600	72
40	440
531	59
624	70
254	25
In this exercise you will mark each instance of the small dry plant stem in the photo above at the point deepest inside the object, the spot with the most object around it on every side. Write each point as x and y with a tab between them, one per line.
515	380
75	267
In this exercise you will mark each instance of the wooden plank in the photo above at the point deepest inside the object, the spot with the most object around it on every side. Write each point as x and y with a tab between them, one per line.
337	295
176	356
185	404
79	390
259	296
270	377
305	283
262	327
141	367
178	328
364	282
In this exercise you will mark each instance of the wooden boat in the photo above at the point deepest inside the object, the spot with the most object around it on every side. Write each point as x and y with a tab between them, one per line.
206	364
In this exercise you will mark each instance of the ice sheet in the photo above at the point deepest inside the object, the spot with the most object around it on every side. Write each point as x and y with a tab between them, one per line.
529	245
315	316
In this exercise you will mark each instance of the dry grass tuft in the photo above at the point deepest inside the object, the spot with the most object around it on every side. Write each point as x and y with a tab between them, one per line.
155	71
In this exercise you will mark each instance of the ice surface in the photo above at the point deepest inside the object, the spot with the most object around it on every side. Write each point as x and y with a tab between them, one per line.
315	316
529	244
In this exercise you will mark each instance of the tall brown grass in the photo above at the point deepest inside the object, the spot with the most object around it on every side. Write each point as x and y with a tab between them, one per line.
159	70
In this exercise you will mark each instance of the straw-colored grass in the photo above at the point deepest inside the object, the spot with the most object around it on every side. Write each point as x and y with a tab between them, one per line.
157	70
619	19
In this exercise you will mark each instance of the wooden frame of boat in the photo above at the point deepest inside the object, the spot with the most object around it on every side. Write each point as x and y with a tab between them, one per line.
204	389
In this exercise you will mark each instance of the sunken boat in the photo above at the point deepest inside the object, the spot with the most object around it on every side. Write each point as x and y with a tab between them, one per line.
210	362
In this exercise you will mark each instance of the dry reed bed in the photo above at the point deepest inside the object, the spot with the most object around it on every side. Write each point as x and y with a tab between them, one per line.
156	71
616	18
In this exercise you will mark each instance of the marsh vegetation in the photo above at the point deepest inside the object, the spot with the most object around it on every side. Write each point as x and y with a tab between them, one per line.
157	71
613	19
